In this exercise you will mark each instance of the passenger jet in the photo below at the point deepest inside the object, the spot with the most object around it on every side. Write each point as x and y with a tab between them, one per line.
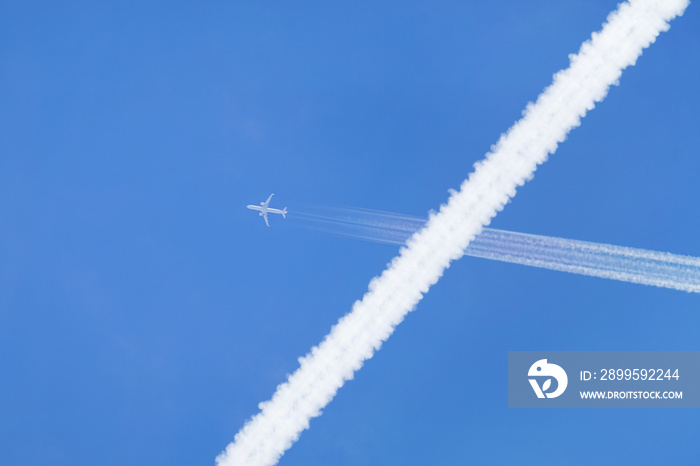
264	209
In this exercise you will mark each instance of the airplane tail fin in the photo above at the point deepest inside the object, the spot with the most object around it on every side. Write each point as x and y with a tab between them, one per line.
284	213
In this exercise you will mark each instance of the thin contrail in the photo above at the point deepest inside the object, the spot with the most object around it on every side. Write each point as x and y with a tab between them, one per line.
601	260
511	162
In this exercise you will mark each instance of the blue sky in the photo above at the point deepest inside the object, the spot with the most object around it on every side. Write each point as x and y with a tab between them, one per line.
144	312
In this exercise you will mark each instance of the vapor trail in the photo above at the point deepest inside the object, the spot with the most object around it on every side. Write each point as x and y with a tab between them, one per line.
621	263
511	162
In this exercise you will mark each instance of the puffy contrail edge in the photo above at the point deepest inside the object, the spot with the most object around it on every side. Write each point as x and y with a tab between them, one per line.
511	162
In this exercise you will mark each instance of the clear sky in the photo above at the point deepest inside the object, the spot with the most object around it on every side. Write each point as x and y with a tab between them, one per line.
144	312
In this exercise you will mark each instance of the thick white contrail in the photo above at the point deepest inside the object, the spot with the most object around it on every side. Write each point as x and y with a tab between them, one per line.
621	263
511	162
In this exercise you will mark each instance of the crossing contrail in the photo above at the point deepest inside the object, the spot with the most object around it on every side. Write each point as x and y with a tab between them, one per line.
420	264
601	260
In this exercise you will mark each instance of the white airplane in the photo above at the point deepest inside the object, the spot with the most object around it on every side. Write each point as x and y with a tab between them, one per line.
264	209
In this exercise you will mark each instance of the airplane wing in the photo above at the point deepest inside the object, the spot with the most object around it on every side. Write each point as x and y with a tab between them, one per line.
265	216
268	200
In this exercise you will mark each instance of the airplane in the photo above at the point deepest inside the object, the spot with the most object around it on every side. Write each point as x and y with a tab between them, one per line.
264	209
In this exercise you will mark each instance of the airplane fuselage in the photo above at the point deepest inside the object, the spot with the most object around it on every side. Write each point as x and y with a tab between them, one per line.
263	210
